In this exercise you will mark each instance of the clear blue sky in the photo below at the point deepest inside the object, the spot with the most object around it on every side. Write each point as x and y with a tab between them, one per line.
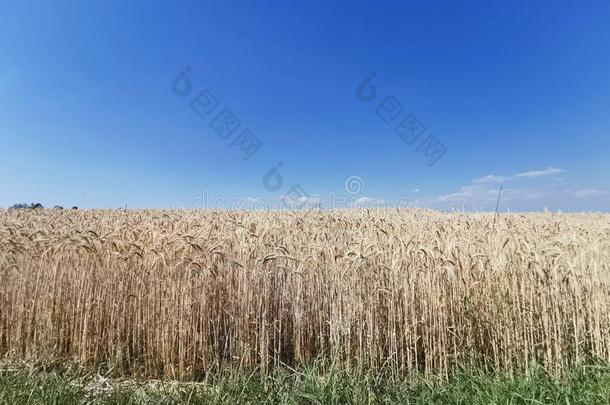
517	92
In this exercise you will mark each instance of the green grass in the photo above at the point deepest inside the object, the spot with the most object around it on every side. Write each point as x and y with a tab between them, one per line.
583	385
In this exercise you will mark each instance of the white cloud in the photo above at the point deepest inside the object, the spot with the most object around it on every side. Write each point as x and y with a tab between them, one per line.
485	190
490	178
300	201
548	171
480	193
521	194
493	179
452	197
369	201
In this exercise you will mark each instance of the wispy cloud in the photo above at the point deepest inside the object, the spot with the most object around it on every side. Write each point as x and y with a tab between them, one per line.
477	191
490	178
369	201
549	171
300	201
518	192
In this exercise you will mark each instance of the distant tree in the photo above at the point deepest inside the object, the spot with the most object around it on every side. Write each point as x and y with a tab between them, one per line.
23	206
19	206
75	208
58	207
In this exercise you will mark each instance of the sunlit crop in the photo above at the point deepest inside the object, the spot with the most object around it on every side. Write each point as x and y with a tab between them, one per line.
180	293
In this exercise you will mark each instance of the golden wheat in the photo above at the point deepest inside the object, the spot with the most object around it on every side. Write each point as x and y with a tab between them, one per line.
180	293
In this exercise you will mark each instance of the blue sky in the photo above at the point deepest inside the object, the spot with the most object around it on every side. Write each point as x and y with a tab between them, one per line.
517	94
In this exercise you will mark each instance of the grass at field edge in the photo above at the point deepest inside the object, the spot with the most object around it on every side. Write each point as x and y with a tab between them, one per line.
586	384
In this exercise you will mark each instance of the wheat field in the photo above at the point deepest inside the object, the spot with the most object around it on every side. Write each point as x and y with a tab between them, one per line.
180	293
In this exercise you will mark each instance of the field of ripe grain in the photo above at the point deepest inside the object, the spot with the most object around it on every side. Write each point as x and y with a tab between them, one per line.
181	293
